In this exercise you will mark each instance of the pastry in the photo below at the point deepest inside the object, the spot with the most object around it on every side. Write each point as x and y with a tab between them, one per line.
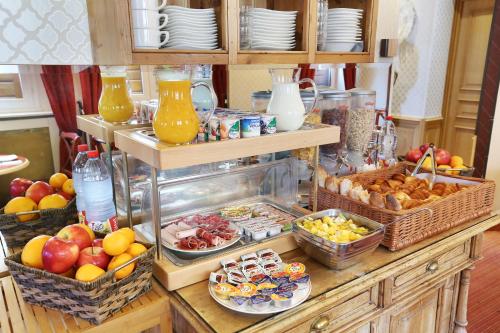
379	181
433	197
412	203
401	196
365	197
377	200
392	203
332	184
410	179
399	176
438	189
420	194
450	189
355	192
322	174
375	188
394	184
345	186
384	187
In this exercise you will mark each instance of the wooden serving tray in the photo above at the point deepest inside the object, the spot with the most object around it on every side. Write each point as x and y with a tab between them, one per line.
143	145
102	130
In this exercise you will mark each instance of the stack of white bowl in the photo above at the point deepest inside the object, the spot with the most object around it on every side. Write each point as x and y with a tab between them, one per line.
146	23
191	28
344	30
272	29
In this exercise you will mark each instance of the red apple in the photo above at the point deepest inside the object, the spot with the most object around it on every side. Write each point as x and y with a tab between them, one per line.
66	196
423	148
18	187
443	157
38	190
414	155
75	234
93	255
97	242
59	255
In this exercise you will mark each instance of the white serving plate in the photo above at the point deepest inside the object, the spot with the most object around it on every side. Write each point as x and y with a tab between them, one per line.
349	15
271	48
191	25
299	296
340	46
344	29
343	34
346	10
199	253
274	12
182	19
191	30
187	10
273	25
193	38
184	46
271	37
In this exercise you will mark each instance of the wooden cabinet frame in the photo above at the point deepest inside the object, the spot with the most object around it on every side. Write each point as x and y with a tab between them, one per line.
111	35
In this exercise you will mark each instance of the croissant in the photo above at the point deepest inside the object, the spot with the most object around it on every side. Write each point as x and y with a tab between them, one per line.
332	184
401	196
450	189
375	188
394	184
410	179
412	203
438	189
419	194
379	181
399	176
322	174
384	187
345	186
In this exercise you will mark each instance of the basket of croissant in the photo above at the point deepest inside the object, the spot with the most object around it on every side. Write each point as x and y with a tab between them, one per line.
410	209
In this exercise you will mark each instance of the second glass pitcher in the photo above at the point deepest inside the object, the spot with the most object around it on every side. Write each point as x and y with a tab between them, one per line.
115	103
286	103
175	120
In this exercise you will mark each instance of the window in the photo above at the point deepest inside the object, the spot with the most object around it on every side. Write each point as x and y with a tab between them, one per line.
22	92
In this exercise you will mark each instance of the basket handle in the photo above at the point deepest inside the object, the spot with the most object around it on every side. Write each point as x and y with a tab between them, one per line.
116	269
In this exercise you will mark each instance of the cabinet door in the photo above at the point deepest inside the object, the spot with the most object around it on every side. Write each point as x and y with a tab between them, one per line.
417	317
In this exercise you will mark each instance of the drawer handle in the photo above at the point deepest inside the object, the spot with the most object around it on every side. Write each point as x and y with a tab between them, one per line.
321	323
432	267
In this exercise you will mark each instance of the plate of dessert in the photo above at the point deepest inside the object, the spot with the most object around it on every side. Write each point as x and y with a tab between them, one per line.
260	283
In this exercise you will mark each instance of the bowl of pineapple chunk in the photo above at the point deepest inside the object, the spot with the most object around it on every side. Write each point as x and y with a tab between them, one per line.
337	238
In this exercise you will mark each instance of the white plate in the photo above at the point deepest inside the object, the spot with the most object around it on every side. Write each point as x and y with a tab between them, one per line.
340	46
350	15
347	10
281	34
188	25
189	47
208	249
299	296
342	34
182	19
191	30
273	12
273	25
187	10
272	48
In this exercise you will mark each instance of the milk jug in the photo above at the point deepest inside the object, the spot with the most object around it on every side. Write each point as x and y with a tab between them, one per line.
285	102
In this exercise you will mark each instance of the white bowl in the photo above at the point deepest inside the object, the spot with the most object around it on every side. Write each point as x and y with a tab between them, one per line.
339	46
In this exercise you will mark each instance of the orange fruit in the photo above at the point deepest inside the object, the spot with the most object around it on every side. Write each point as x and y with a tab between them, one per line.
32	252
52	201
427	164
136	249
120	260
68	187
21	204
89	272
458	167
115	243
129	233
88	230
57	180
456	161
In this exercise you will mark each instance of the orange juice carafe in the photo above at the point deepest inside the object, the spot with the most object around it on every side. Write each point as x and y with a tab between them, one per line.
115	104
175	120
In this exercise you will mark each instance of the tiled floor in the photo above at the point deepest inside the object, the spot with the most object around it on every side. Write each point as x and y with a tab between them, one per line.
484	295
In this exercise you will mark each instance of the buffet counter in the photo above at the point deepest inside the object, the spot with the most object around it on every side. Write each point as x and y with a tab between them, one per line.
422	288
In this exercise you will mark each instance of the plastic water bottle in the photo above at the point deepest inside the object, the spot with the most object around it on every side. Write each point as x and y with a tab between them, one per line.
98	194
77	174
389	142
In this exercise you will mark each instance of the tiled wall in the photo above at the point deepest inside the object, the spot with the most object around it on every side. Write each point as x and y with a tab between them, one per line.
44	32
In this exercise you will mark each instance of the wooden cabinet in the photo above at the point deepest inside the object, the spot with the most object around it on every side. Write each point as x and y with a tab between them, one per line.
116	45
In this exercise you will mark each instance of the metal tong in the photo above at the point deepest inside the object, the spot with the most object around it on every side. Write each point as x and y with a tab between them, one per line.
428	153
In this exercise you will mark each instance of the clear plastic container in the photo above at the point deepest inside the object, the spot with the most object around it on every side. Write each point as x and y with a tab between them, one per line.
334	109
260	100
361	121
322	24
97	190
202	97
77	175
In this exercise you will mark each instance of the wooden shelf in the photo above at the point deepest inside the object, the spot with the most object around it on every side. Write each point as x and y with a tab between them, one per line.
102	130
164	156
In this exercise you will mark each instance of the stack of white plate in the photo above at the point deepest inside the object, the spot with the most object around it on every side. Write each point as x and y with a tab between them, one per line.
190	28
344	29
272	29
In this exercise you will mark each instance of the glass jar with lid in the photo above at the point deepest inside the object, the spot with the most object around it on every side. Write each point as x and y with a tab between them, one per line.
361	123
260	100
334	109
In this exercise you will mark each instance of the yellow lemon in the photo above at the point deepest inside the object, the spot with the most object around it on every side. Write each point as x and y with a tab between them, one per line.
52	201
68	187
456	161
120	260
57	180
136	249
115	243
21	204
32	252
129	233
88	272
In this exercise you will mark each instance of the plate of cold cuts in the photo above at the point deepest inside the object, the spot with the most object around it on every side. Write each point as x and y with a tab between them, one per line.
199	234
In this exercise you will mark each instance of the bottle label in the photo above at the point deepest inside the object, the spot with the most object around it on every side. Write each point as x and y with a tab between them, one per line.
81	217
104	227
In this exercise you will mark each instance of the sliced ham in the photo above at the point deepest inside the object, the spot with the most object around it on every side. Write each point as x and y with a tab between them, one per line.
186	233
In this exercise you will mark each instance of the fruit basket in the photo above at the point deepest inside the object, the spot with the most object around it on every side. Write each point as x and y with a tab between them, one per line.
50	221
409	226
93	301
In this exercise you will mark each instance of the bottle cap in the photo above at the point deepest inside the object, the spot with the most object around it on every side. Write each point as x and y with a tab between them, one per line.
388	118
93	154
83	148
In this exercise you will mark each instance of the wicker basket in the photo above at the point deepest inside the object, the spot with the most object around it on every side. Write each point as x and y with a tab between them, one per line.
93	301
50	222
407	227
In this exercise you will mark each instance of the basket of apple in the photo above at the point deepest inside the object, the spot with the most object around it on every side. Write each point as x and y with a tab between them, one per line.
446	163
37	208
77	273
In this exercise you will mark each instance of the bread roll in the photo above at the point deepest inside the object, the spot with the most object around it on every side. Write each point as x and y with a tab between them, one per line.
375	188
394	184
384	187
377	200
392	203
355	192
322	174
332	184
345	186
410	179
365	197
379	181
401	196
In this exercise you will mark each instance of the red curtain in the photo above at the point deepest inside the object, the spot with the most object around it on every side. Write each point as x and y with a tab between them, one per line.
58	83
350	76
219	80
90	80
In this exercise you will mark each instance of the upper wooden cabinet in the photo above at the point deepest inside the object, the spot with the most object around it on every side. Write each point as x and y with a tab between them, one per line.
111	34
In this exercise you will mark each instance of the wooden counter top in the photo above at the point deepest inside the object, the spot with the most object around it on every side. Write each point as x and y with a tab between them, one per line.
326	283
